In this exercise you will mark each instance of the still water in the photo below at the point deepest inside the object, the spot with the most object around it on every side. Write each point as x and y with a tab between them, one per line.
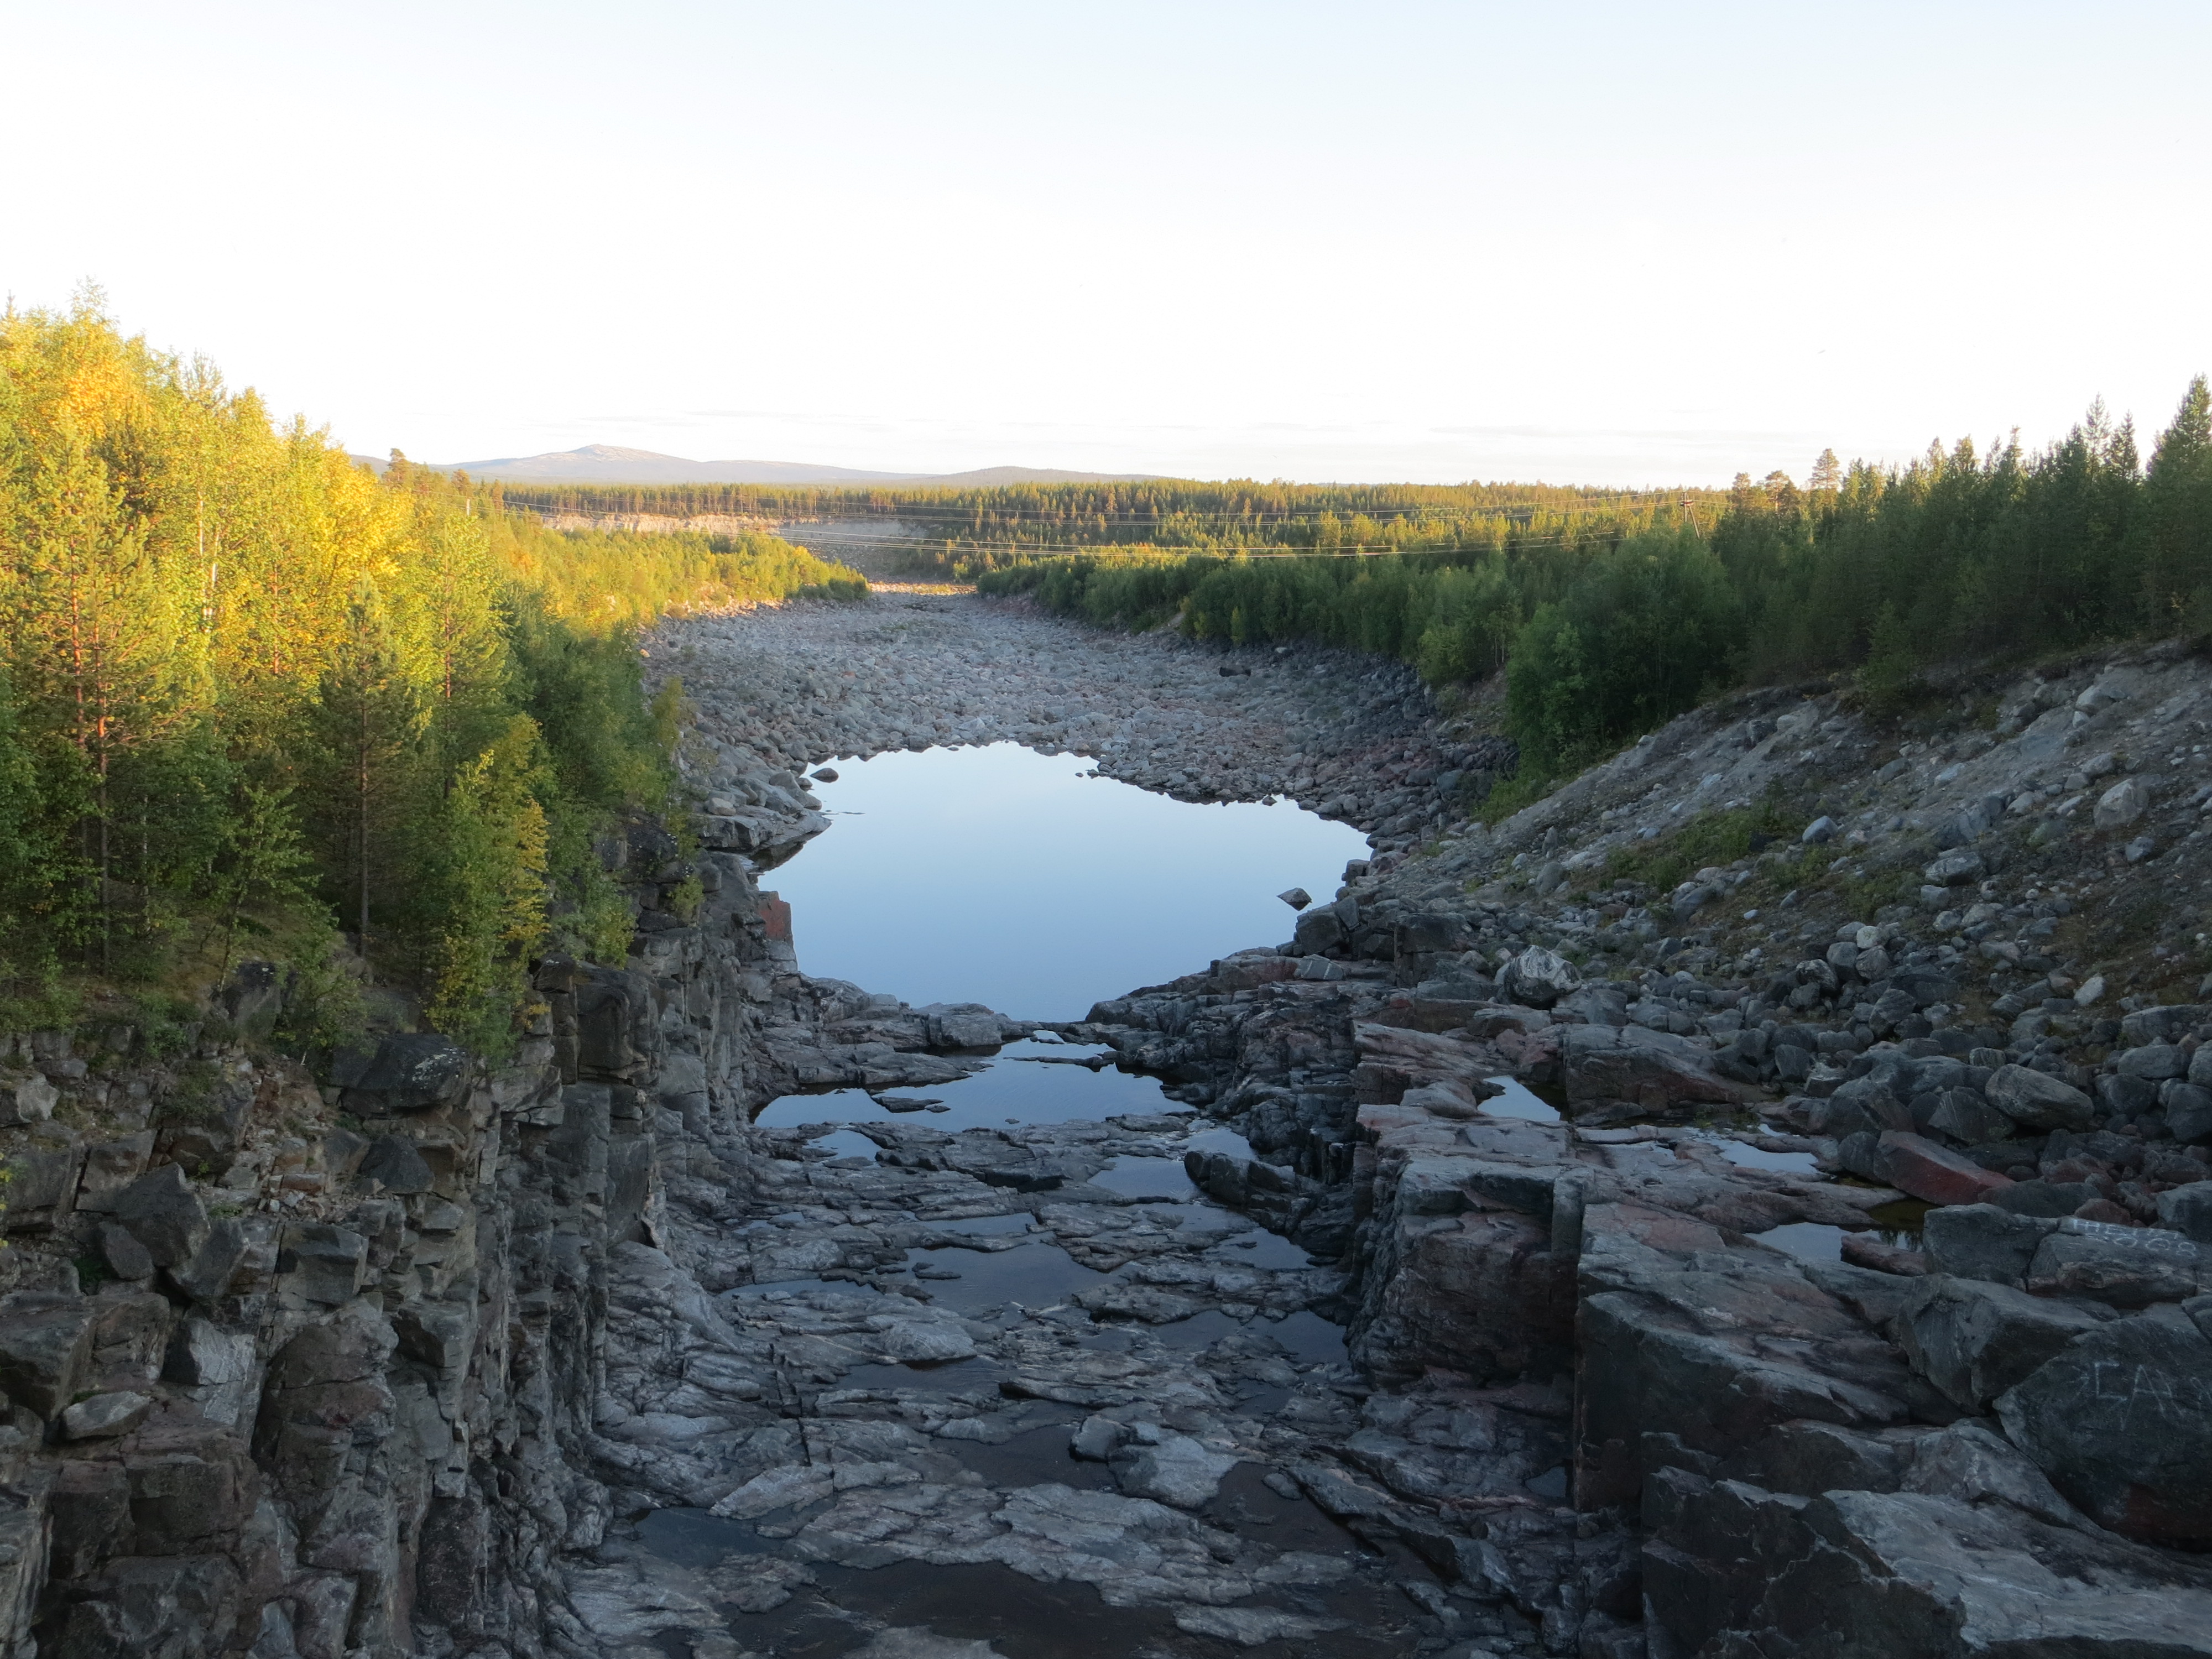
1026	883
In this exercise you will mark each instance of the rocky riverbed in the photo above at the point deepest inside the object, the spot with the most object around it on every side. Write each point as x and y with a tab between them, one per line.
1840	1290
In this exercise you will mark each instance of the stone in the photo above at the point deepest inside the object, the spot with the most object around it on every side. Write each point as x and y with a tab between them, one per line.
29	1099
1173	1469
1917	1166
962	1026
2189	1114
1537	978
162	1213
46	1349
1821	830
1650	1072
2121	1421
1968	1461
406	1071
1097	1438
2121	804
1956	869
2188	1211
1966	1115
394	1164
2037	1102
105	1416
322	1263
1974	1339
125	1256
2155	1062
1325	927
207	1274
1981	1241
1252	1627
2123	1267
1297	897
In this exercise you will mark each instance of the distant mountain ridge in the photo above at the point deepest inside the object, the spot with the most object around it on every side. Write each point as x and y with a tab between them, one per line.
610	464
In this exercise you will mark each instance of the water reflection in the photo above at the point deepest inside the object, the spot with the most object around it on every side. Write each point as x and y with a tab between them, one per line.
1001	876
1025	1084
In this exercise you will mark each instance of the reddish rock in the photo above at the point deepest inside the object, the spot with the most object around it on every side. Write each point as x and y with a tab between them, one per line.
1918	1166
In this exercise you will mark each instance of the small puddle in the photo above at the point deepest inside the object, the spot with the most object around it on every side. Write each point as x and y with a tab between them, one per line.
1036	1275
1520	1101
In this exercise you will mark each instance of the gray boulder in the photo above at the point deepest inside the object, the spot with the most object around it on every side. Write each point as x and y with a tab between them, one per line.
2121	1420
46	1349
407	1071
2189	1114
394	1163
1537	978
162	1213
2121	1267
2188	1211
1974	1339
1606	1069
1982	1241
1956	869
2037	1102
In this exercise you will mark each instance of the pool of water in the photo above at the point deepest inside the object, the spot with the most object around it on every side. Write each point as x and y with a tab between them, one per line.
1024	1083
1024	881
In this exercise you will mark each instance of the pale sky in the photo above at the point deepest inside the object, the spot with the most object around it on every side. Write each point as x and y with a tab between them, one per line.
1622	244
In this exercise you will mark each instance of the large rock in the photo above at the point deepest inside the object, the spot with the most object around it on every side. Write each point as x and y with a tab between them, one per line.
1974	1339
161	1212
1538	978
1983	1240
1610	1071
2124	1267
46	1349
1919	1167
962	1026
2121	804
1733	1571
1174	1468
2121	1420
2039	1101
406	1071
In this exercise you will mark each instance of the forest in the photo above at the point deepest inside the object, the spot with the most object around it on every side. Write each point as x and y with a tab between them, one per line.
257	702
962	533
1608	623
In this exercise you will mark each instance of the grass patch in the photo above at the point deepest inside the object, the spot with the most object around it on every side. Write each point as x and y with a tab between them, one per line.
1709	838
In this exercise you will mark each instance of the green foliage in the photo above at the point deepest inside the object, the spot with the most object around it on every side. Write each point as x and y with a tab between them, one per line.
250	694
1706	838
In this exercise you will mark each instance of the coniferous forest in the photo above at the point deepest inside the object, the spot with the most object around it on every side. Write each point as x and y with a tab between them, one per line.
257	699
1607	621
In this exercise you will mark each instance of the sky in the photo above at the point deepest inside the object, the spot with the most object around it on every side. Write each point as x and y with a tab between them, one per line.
1612	244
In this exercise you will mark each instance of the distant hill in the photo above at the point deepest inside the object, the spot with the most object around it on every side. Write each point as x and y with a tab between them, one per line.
613	465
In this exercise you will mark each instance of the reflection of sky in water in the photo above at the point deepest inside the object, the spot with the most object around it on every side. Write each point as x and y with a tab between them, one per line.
1011	1088
1001	876
1518	1101
1809	1240
1752	1158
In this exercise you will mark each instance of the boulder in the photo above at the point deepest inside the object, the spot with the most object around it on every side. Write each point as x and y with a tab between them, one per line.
1173	1469
2121	1420
394	1163
2121	1267
162	1213
1956	869
1606	1068
2044	1199
2188	1211
962	1026
105	1416
2154	1061
1920	1168
1983	1242
2121	804
1297	897
2189	1114
406	1071
1537	978
27	1099
207	1274
2039	1101
46	1349
1974	1339
322	1263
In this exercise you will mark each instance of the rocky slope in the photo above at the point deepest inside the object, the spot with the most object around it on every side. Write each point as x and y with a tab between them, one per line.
569	1357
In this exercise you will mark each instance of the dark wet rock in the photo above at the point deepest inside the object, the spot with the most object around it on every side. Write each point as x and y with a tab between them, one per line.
1609	1073
2121	1420
1974	1339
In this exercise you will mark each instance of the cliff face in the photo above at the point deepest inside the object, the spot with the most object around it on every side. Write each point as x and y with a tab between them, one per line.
312	1370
